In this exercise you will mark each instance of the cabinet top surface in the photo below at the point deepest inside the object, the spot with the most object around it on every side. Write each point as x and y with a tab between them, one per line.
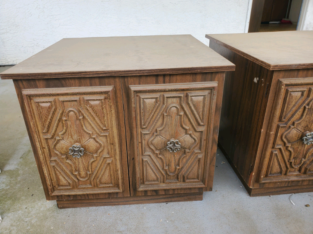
120	56
272	50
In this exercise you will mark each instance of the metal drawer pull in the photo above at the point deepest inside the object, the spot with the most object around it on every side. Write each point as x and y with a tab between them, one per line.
308	138
173	145
76	150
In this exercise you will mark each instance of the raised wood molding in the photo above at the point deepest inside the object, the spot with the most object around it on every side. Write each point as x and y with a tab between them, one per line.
287	158
64	117
180	112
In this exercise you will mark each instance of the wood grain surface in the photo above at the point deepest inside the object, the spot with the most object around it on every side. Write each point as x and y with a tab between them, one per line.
264	118
123	105
120	56
270	130
272	50
129	200
172	129
81	121
131	142
60	88
244	103
106	99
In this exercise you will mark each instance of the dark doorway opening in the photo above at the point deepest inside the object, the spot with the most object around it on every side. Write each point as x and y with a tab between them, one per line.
275	15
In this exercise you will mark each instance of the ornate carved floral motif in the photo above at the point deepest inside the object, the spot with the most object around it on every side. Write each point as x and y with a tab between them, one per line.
297	138
76	133
164	144
292	154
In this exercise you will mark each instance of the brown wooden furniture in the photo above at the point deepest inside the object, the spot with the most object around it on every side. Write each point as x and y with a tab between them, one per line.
266	122
123	120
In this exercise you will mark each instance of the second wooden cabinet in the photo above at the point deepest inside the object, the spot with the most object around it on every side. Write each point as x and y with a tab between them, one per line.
266	122
136	122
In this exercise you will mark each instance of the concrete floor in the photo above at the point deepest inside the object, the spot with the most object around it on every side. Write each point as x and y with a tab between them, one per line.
227	209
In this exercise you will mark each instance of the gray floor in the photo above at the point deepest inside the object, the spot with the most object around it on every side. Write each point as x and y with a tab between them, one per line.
227	209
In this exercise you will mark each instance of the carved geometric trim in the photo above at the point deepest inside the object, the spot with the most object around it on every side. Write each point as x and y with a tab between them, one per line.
275	166
63	117
198	105
308	167
96	108
151	174
193	174
288	157
171	133
62	144
294	96
148	106
167	131
63	181
107	174
185	110
56	161
46	111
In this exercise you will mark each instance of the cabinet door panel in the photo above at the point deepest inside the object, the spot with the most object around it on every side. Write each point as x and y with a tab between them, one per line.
76	135
289	156
172	130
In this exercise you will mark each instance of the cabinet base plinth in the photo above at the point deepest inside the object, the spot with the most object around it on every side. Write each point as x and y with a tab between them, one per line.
255	192
130	200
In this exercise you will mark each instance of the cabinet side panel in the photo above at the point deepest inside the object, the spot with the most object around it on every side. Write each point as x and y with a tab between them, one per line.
81	82
244	103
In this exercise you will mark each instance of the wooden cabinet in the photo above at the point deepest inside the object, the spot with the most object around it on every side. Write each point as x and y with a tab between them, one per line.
266	122
123	120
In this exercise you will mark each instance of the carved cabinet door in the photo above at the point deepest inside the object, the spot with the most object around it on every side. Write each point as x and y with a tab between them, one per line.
289	152
76	138
172	130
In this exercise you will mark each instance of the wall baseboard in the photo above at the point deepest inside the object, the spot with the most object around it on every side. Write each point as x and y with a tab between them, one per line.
7	65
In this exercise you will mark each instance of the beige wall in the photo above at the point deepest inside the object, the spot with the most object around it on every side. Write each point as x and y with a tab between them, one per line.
295	10
28	26
306	16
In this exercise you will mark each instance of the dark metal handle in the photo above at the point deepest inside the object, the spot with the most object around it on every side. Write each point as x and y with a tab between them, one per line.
76	151
173	145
